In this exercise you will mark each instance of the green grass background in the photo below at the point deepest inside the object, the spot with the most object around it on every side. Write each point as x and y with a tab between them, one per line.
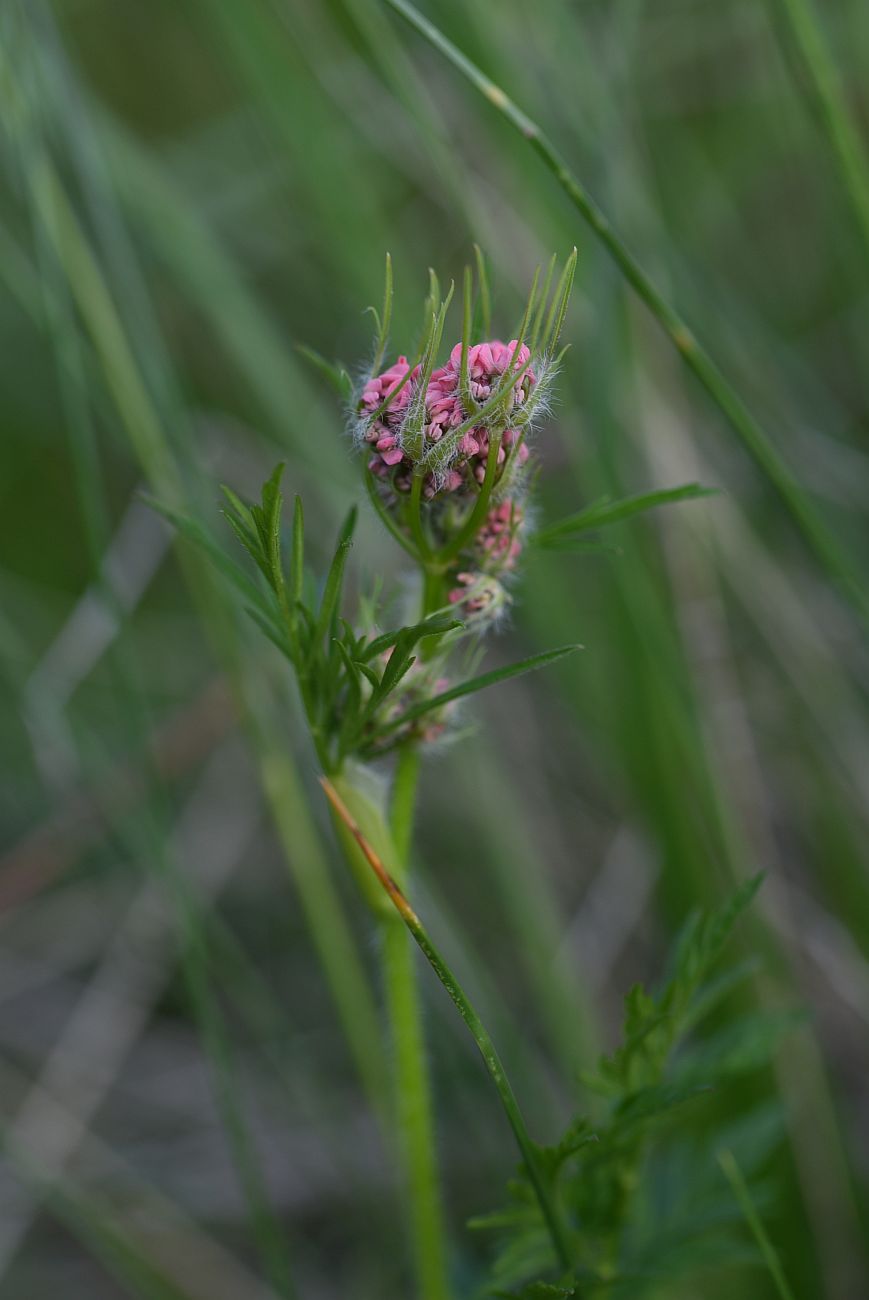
190	190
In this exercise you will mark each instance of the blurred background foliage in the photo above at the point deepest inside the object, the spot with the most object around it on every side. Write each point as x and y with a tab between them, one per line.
188	1031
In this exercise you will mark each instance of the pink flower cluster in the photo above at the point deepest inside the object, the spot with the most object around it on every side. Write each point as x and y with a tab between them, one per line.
476	594
498	539
496	548
444	412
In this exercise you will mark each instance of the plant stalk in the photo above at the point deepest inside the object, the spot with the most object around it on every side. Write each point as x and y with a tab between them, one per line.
556	1226
826	90
412	1085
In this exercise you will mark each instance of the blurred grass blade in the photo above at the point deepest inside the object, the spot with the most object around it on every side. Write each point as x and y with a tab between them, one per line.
826	91
131	1262
336	948
335	375
820	537
733	1173
195	532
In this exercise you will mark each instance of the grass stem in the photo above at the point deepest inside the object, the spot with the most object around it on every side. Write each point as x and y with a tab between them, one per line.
826	91
734	1176
814	528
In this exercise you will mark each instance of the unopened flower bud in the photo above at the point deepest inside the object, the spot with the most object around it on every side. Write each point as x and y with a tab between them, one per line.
479	598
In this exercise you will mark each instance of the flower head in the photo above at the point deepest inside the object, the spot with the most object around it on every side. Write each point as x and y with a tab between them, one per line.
386	400
448	444
479	598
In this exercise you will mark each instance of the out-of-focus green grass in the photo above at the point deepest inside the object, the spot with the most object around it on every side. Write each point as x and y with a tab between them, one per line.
189	191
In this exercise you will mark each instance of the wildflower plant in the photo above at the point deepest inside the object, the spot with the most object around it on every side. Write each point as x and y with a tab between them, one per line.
447	461
446	440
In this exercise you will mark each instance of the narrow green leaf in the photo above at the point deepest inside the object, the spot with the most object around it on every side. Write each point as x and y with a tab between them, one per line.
652	1102
354	644
196	533
435	625
434	293
335	374
509	378
368	672
704	936
251	542
603	513
483	308
348	528
733	1173
413	424
480	683
332	590
384	319
241	508
273	630
352	706
579	546
469	402
399	661
385	517
402	668
560	300
541	308
716	990
272	503
749	1042
297	561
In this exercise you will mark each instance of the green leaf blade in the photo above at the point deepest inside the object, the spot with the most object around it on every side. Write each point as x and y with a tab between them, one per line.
603	513
480	683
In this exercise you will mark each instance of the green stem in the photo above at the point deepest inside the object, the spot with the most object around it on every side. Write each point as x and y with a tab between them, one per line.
432	590
344	971
558	1229
472	524
414	1103
812	524
385	517
403	802
416	528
